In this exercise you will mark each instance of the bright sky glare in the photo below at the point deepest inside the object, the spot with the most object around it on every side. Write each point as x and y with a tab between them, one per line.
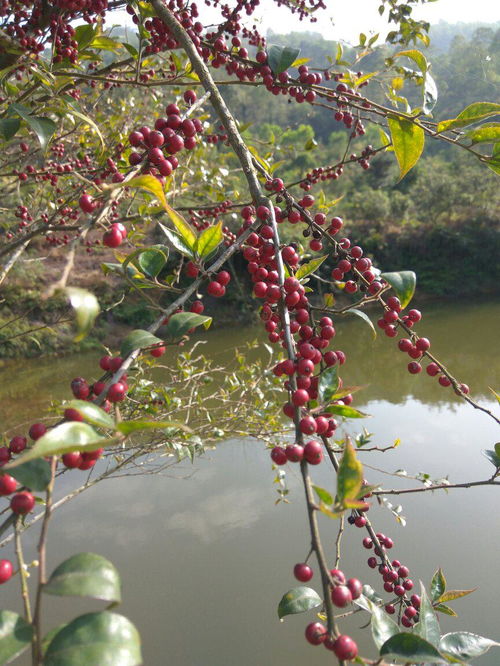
345	19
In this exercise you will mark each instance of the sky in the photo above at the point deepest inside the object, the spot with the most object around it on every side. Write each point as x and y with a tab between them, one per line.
345	19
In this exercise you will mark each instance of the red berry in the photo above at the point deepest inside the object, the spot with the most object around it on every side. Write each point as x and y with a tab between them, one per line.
341	595
72	414
355	586
223	278
115	363
294	452
414	368
87	204
422	344
17	444
112	238
72	460
278	455
8	484
156	352
216	289
37	430
6	570
316	633
313	452
302	572
116	392
345	648
104	362
22	503
300	397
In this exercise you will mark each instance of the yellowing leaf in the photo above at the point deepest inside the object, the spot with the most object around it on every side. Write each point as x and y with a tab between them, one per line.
408	140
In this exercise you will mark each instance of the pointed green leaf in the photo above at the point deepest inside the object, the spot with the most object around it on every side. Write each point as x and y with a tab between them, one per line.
403	283
107	639
417	57
464	645
127	427
492	457
86	307
138	339
84	34
487	133
411	647
349	475
362	315
152	260
85	575
328	384
151	184
298	600
323	495
179	324
131	49
184	228
281	58
103	43
91	413
451	595
15	636
209	240
346	411
382	625
446	610
34	474
44	128
438	585
408	140
309	267
471	114
9	127
428	625
64	438
177	242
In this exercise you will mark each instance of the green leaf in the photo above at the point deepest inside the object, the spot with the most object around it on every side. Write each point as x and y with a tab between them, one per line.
15	636
105	638
179	324
323	495
281	58
487	133
438	585
430	94
209	240
34	474
9	127
150	184
328	384
428	626
349	475
464	645
152	260
309	267
86	307
492	456
362	315
403	283
346	411
64	438
408	140
84	34
382	625
177	242
138	339
411	647
91	413
185	230
298	600
417	57
44	128
131	49
103	43
470	115
451	595
85	575
127	427
442	608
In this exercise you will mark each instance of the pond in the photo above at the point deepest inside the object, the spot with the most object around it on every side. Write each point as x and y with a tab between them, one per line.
205	554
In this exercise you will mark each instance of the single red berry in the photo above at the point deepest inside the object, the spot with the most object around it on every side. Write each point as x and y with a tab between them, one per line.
156	352
294	452
22	503
341	596
112	238
390	609
444	381
6	570
87	204
17	444
414	368
8	484
355	586
316	633
223	278
432	369
104	363
345	648
415	315
116	392
197	307
422	344
216	289
37	430
72	460
72	414
302	572
338	576
313	452
278	455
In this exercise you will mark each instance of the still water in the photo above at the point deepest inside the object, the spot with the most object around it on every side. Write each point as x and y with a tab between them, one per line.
204	552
